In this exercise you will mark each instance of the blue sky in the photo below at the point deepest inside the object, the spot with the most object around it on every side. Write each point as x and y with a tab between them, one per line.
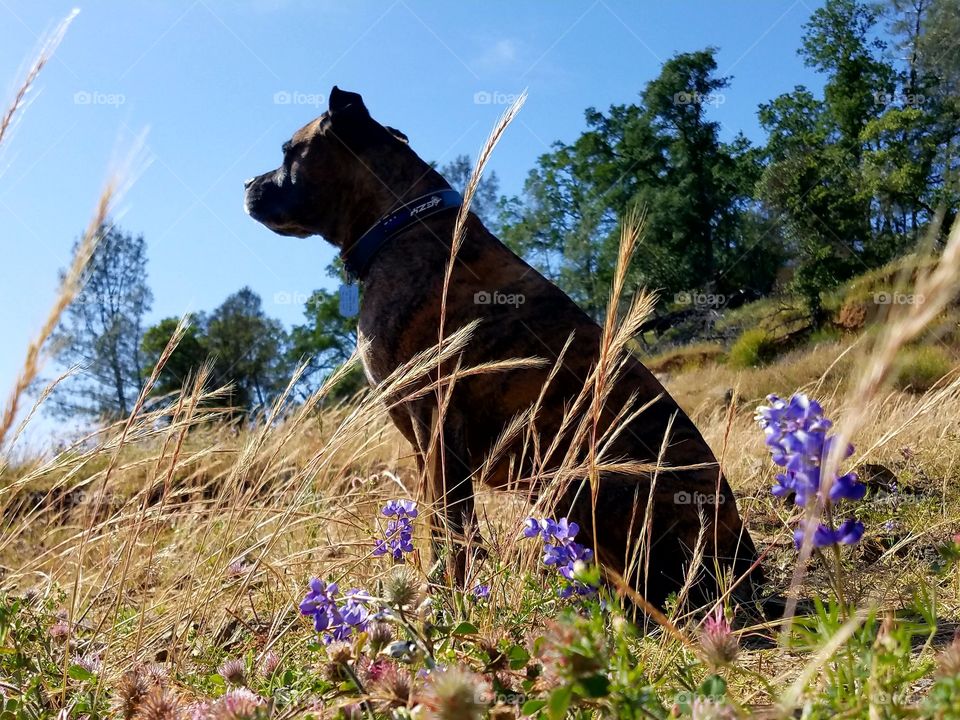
218	86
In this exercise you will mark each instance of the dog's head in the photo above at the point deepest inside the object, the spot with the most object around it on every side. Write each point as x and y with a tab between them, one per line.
339	173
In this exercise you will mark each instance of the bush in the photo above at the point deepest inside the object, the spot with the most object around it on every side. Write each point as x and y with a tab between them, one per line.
685	358
919	369
753	348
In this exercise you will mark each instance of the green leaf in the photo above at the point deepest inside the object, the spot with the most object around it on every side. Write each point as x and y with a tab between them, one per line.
218	682
559	702
518	656
80	673
596	686
532	706
714	686
466	628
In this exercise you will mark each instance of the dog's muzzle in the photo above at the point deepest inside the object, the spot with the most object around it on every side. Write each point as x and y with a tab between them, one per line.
273	204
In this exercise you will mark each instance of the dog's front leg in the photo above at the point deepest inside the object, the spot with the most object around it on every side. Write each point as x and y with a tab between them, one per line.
450	492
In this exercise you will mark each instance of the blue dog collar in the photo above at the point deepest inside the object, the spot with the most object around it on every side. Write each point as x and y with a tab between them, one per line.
357	257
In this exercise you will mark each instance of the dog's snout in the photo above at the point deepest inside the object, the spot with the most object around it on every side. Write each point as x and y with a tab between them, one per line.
248	182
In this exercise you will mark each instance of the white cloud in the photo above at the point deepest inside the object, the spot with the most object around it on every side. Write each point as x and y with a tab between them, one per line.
500	54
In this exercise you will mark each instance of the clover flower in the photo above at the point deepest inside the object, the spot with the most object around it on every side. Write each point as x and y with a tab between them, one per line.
796	434
236	703
89	662
561	551
398	538
233	671
335	620
159	704
720	646
269	664
456	694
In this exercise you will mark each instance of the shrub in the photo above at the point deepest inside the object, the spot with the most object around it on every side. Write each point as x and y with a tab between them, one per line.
686	358
753	348
920	368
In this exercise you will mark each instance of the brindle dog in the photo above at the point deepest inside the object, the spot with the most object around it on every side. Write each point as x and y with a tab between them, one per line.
340	175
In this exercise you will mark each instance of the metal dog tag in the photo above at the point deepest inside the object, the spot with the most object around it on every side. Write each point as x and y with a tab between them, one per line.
349	300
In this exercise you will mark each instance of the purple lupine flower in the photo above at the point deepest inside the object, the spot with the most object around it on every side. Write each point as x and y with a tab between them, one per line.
398	538
560	551
321	604
849	533
795	432
354	612
564	531
532	528
400	508
481	592
335	621
846	487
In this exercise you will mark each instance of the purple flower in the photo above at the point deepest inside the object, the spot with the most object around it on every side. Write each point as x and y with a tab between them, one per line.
795	432
400	508
532	528
849	533
481	592
846	487
564	531
335	621
398	538
560	551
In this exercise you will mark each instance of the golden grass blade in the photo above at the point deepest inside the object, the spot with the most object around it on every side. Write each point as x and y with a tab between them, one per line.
68	291
47	50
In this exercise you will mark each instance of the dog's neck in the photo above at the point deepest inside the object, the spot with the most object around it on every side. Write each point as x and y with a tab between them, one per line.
358	255
391	191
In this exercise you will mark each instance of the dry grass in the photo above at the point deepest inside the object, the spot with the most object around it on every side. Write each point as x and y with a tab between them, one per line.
177	537
145	519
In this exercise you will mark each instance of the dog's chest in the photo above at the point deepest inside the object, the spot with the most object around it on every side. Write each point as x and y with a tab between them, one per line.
397	321
367	359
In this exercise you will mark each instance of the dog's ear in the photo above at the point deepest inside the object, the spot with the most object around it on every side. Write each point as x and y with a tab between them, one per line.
343	100
397	134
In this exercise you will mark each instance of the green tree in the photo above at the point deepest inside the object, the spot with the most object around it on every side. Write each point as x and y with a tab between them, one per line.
457	172
189	354
325	341
102	328
818	152
664	155
939	62
806	183
249	350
